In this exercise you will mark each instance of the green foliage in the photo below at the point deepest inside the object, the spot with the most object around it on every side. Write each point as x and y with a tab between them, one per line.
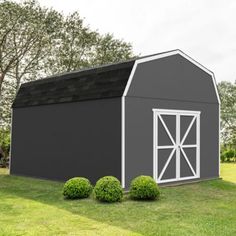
108	189
74	47
144	188
5	141
26	33
228	155
109	50
223	157
227	93
77	187
81	47
4	162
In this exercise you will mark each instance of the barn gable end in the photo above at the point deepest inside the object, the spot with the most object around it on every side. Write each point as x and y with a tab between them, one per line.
172	75
170	82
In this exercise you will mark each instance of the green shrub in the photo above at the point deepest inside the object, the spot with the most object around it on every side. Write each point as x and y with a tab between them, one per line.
228	155
144	188
108	189
223	157
4	162
77	187
5	141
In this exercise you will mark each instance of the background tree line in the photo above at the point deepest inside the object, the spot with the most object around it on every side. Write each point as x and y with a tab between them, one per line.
227	93
36	41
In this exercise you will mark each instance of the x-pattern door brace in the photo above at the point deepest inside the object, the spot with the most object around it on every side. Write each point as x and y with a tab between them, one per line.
178	145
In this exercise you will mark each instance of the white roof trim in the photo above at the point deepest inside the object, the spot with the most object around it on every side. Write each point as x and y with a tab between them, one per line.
167	54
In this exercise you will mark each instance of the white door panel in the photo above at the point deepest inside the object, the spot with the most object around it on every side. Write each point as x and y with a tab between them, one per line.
178	133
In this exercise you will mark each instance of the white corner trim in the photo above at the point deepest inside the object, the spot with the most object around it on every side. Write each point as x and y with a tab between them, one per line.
216	89
123	142
10	141
219	139
162	55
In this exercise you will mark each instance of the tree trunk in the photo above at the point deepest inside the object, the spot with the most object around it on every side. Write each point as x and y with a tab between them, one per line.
2	75
1	83
17	76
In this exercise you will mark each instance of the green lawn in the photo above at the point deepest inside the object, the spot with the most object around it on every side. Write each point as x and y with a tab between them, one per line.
228	171
36	207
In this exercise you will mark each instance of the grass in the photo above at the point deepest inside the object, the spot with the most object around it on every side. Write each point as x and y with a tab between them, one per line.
228	171
36	207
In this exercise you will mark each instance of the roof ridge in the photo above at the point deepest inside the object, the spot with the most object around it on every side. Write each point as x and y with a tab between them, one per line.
87	70
82	72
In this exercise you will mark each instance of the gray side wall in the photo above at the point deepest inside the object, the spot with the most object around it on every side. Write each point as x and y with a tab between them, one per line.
139	135
169	83
61	141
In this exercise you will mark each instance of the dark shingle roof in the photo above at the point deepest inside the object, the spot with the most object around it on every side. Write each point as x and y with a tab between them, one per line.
100	82
94	83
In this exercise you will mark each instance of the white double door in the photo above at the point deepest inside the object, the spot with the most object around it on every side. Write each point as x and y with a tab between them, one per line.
176	145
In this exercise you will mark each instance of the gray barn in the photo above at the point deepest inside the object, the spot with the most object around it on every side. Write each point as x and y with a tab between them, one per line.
157	115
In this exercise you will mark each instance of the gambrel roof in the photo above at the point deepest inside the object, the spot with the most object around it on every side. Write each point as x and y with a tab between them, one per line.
101	82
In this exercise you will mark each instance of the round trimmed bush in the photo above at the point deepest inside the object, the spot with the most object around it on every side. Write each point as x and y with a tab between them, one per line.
108	189
77	187
144	188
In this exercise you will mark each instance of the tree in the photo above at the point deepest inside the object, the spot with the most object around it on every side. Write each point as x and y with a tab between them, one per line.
79	47
108	50
8	95
73	47
26	33
36	41
227	93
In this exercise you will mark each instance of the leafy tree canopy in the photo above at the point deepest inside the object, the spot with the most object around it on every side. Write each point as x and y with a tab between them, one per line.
227	93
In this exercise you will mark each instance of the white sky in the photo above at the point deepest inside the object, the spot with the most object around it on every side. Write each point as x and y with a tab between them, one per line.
204	29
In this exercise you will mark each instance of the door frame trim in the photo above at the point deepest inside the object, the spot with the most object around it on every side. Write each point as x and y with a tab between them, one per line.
177	113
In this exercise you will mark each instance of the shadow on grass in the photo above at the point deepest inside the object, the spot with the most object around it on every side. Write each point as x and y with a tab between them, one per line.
126	214
137	216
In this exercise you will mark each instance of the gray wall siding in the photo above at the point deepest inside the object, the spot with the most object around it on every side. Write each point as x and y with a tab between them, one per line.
139	135
172	82
172	78
65	140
